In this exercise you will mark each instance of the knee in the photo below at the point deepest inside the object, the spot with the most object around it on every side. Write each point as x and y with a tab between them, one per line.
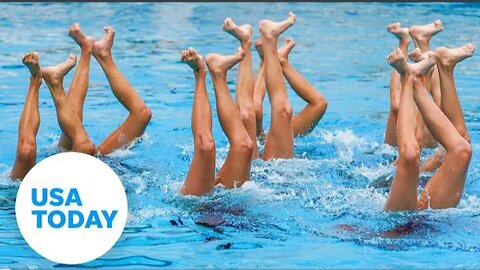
144	114
320	105
205	144
410	153
243	146
284	111
394	106
463	151
26	151
86	147
247	114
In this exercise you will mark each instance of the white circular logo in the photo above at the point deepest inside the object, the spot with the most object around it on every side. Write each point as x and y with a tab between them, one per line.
71	208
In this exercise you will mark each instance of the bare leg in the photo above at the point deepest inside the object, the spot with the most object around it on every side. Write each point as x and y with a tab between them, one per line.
236	169
67	118
422	34
402	34
450	104
445	188
245	83
260	89
403	191
279	142
140	115
29	121
201	176
305	121
79	85
425	138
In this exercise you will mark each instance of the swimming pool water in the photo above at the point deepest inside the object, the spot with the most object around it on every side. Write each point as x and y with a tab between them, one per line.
295	213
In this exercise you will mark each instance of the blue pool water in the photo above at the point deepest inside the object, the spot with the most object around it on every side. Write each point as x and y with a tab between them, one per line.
291	214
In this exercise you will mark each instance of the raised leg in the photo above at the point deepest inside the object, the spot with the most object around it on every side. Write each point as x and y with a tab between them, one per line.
260	89
403	191
279	141
402	34
139	113
450	104
236	169
201	176
29	121
305	121
67	118
421	35
245	83
79	85
445	187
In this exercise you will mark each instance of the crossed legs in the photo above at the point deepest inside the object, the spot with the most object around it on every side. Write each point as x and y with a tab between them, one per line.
29	121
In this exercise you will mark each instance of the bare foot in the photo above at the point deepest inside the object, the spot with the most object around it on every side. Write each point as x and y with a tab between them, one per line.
285	50
219	64
397	60
76	33
31	61
103	47
450	57
242	33
417	55
399	32
422	34
193	60
53	76
259	47
271	30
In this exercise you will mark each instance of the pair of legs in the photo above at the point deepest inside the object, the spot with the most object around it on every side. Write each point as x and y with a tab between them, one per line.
139	113
236	169
30	118
445	187
305	121
70	107
421	35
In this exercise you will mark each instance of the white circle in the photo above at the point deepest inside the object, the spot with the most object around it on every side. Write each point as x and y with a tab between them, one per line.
98	187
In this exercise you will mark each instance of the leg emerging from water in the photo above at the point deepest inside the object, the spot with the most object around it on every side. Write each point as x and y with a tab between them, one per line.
402	34
245	83
403	191
67	118
139	113
79	85
29	121
236	169
305	121
447	125
260	89
279	141
201	176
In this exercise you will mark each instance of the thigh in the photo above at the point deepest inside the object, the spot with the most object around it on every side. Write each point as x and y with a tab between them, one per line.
445	187
121	137
235	170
